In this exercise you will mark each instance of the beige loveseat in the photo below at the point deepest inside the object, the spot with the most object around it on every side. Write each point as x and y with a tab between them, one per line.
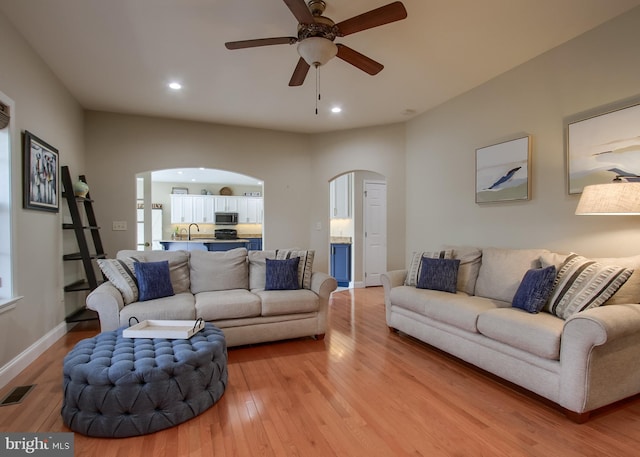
581	362
226	288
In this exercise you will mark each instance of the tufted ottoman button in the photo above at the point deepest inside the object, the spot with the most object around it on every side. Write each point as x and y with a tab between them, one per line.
102	379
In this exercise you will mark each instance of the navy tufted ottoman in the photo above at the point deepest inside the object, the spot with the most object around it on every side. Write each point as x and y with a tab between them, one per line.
119	387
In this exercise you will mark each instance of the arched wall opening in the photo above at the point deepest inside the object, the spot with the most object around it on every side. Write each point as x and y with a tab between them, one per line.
348	228
161	217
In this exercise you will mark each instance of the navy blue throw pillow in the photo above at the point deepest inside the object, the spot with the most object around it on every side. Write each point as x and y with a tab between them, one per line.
535	289
439	274
282	274
153	280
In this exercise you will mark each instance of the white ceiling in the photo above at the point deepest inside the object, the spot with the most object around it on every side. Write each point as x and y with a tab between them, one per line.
118	55
203	175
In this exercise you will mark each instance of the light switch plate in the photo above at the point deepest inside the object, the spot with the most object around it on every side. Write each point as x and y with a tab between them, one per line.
119	225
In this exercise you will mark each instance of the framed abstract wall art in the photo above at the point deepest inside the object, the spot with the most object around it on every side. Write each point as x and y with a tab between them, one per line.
41	174
503	171
603	146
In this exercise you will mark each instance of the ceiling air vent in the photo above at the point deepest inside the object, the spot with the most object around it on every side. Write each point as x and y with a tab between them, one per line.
4	116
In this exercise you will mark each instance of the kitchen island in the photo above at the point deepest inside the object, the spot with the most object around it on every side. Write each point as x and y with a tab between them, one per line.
204	244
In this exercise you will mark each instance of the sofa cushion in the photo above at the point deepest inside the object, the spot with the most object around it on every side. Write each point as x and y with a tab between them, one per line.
439	274
227	304
630	290
258	268
276	302
535	289
178	265
282	274
502	271
470	260
459	310
305	267
219	270
154	280
121	273
413	272
537	334
178	307
582	283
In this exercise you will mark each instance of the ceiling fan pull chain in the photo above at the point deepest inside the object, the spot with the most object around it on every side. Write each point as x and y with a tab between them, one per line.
317	86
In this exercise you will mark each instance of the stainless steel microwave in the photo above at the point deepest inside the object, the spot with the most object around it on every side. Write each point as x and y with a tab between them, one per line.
226	218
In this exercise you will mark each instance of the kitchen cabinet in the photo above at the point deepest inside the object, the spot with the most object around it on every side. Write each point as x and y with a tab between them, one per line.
250	210
224	204
181	208
340	190
341	263
203	211
255	244
188	208
204	245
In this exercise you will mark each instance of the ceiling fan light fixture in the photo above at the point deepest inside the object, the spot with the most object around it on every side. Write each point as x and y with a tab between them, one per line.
317	50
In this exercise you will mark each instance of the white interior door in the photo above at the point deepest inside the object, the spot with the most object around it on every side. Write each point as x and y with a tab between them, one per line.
375	232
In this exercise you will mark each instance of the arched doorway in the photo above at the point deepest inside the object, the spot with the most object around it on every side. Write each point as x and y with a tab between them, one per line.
354	260
156	203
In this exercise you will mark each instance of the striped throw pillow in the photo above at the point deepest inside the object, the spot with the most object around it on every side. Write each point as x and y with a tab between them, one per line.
305	264
121	273
413	273
582	284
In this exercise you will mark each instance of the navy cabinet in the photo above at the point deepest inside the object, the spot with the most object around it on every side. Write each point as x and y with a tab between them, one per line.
341	263
255	244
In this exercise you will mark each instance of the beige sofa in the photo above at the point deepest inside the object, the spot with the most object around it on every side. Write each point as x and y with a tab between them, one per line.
226	288
582	362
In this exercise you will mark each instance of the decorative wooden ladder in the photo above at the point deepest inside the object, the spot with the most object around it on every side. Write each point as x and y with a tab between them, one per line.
85	255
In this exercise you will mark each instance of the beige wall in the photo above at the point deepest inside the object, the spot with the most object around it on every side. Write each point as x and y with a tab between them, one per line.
295	168
597	68
377	149
120	146
46	109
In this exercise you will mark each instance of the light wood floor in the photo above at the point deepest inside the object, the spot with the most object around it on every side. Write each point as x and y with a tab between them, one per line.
362	391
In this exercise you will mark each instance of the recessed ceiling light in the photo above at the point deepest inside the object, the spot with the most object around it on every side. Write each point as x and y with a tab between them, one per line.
336	109
175	85
180	172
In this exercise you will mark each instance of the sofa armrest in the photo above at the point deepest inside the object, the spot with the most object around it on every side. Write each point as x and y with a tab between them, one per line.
323	284
600	345
107	301
391	279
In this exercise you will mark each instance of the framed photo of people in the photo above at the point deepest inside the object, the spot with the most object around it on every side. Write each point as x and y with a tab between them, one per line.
41	168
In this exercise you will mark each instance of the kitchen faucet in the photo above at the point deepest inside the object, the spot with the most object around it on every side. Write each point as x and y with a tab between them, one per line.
189	234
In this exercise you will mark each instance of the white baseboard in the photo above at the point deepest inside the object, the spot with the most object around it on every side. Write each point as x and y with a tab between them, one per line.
358	284
26	357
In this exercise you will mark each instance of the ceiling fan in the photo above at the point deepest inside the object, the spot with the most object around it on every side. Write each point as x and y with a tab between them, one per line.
316	35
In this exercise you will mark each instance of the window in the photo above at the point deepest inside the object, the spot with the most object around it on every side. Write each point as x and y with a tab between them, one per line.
7	300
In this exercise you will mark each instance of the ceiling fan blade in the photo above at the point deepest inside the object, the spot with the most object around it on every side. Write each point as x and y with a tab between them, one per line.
299	73
358	60
300	11
384	15
260	42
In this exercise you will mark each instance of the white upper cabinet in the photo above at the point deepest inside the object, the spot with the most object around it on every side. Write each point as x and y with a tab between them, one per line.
203	209
187	208
224	204
181	208
340	190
